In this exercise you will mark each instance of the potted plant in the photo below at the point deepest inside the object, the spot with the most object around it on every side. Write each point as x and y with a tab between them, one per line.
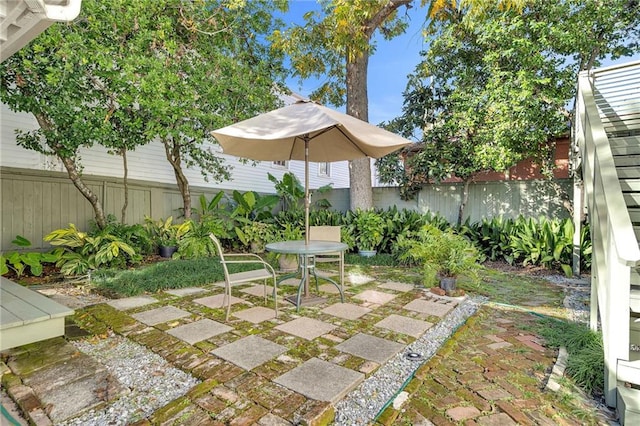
444	256
290	232
369	230
165	234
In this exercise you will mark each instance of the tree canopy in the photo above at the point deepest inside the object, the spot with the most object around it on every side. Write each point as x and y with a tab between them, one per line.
497	89
129	72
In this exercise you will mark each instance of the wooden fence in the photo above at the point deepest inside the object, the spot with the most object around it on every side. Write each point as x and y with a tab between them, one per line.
36	202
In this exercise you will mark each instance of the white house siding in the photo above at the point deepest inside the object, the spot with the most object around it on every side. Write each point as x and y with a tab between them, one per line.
148	163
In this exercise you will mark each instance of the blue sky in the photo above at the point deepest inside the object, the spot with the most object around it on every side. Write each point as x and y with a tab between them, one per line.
388	66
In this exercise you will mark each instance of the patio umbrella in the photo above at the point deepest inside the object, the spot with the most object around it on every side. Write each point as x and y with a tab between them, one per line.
306	131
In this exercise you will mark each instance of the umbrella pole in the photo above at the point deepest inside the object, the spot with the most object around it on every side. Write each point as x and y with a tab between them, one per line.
306	209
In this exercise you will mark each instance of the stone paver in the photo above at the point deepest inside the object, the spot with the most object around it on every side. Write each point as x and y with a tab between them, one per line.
401	287
249	352
198	331
429	307
159	315
405	325
256	314
375	297
258	290
256	369
185	292
321	380
329	288
132	302
307	328
371	348
217	300
346	310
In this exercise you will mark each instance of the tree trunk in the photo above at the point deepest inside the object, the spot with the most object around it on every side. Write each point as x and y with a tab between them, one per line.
125	181
74	175
360	191
172	152
465	198
72	171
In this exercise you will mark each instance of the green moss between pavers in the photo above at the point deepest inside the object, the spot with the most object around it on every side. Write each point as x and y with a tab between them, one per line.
388	416
413	385
202	388
170	410
10	380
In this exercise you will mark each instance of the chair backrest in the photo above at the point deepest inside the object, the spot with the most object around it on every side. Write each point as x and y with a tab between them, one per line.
324	233
221	255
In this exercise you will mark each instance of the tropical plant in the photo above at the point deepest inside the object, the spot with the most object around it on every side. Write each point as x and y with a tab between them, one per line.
440	253
164	232
255	235
79	253
290	191
20	261
369	229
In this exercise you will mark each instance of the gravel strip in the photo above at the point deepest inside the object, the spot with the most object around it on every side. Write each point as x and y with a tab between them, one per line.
362	405
150	380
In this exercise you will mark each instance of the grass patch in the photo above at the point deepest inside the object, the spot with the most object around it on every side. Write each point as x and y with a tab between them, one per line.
585	365
380	259
163	275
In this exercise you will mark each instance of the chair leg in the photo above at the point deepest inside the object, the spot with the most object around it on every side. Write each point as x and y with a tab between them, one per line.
227	298
275	295
342	271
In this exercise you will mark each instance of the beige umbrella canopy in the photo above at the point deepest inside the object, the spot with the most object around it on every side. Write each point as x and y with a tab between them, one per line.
306	131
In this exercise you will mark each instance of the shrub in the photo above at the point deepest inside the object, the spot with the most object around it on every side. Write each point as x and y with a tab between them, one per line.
441	253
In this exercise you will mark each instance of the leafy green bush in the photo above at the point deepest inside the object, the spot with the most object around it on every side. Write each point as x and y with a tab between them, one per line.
528	241
20	261
80	252
440	253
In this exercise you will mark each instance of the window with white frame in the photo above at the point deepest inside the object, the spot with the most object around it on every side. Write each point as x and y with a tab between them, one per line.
279	164
324	169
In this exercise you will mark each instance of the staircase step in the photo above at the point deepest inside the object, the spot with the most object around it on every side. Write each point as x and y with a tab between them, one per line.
628	405
634	215
627	145
628	371
627	160
632	199
628	172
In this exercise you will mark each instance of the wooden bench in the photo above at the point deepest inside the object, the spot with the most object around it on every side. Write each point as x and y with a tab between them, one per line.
27	316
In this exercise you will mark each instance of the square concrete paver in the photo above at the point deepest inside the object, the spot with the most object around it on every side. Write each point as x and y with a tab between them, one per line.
405	325
132	302
370	347
258	290
183	292
373	296
321	380
249	352
329	288
198	331
256	315
346	310
307	328
216	301
160	315
429	307
393	285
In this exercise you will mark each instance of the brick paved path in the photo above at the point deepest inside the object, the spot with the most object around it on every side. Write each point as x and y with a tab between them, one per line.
493	371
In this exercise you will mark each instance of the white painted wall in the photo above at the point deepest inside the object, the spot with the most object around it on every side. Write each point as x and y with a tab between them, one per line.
148	163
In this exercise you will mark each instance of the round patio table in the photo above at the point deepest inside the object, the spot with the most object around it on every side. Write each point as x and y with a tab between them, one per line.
306	252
